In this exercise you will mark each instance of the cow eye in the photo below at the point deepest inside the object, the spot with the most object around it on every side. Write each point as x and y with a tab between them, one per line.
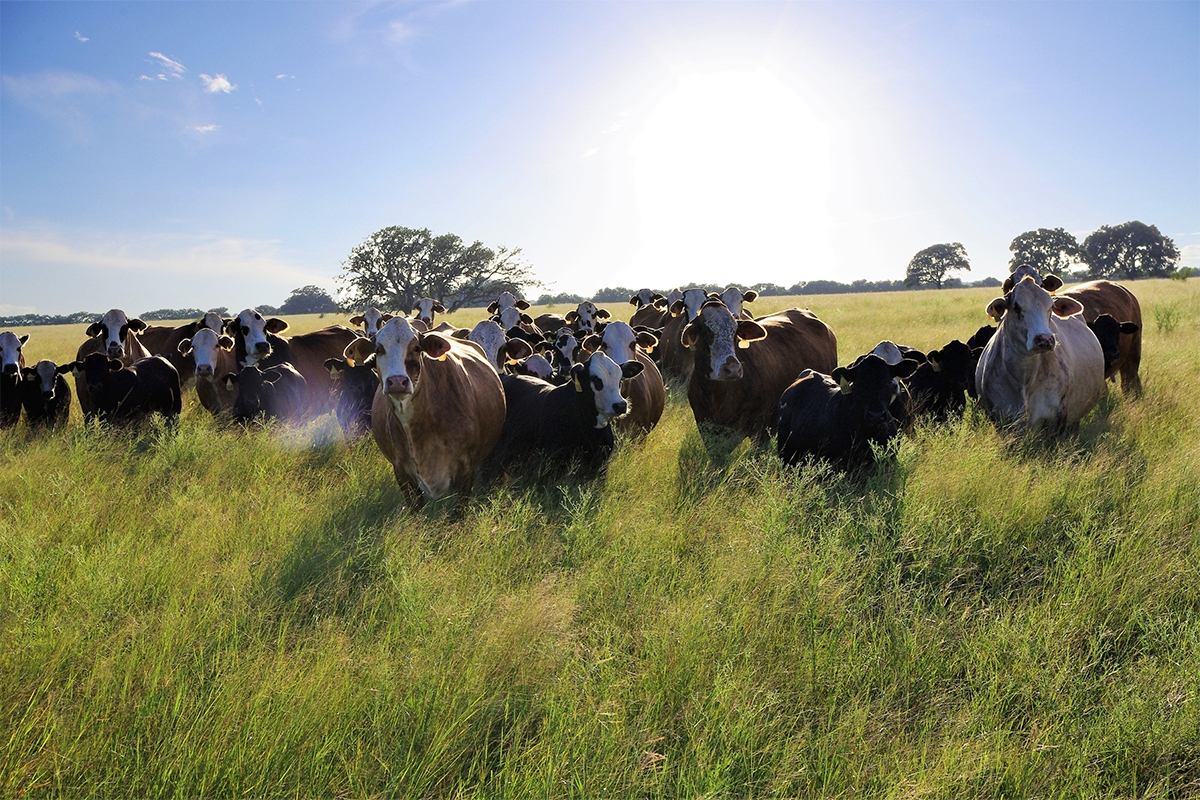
379	350
1016	309
245	331
597	384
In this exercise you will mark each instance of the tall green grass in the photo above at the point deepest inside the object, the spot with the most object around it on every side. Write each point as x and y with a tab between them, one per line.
205	611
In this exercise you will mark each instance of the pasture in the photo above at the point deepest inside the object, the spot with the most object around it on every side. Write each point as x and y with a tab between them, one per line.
200	610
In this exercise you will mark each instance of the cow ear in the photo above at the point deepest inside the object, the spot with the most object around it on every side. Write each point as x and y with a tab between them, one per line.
435	346
358	321
933	358
137	326
335	367
528	320
114	365
1130	327
276	325
905	368
229	380
28	374
1064	306
544	347
185	347
493	307
690	332
94	329
225	343
1051	283
517	349
591	343
385	317
661	304
750	296
439	308
997	307
63	369
635	301
272	375
522	304
842	376
23	339
677	308
646	340
631	368
462	333
576	376
358	350
602	314
749	331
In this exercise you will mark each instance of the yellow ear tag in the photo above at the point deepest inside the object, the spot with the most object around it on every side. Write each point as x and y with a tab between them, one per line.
845	384
75	372
743	344
936	366
578	385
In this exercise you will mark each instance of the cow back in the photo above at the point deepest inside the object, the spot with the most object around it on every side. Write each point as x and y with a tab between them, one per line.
647	396
1106	297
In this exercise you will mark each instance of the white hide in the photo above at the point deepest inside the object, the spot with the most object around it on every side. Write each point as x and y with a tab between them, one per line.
11	357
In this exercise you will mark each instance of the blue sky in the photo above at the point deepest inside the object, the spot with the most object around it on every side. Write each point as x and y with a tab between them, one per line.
201	154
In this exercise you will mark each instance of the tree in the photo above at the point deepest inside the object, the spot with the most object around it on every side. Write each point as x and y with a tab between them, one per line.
931	264
309	300
396	267
1128	251
1051	252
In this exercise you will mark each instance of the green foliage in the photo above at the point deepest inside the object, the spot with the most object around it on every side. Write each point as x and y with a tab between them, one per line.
1182	274
1128	251
1051	251
1167	316
201	611
931	264
395	267
308	300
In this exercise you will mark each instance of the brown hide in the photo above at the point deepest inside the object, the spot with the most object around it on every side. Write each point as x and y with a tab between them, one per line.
650	316
309	351
456	416
1106	297
796	340
647	398
163	340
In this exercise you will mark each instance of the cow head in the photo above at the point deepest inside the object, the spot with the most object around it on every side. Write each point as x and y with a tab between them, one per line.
1051	283
645	297
535	366
250	331
1108	332
562	348
96	370
585	316
400	351
44	375
620	342
112	328
955	362
212	320
714	337
10	352
871	383
690	303
253	384
507	300
1024	315
598	382
370	321
205	349
356	386
512	317
733	297
426	308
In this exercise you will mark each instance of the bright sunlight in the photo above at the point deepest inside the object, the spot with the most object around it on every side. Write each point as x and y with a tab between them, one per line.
733	173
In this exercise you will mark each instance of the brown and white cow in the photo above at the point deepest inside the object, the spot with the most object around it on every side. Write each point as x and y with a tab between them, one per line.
163	340
735	299
645	391
438	412
45	395
257	343
1106	297
507	300
495	345
426	308
671	355
1043	370
742	366
12	361
116	336
370	321
585	316
210	356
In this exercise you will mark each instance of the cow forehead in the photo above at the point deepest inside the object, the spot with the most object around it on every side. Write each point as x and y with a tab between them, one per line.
889	352
46	371
205	339
602	367
618	336
397	333
250	318
10	345
1029	294
693	299
510	317
719	320
506	300
212	321
114	320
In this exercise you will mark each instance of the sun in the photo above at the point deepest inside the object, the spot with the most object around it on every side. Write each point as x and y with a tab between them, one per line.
732	174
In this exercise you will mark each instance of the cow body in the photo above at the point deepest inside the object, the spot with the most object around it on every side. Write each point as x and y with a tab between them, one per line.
438	412
113	335
45	395
1106	297
129	394
1043	370
12	361
742	367
276	392
356	388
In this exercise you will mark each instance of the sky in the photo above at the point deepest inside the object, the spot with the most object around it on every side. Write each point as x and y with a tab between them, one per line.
206	154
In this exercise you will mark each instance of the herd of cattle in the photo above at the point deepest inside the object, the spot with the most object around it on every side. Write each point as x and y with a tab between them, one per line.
442	402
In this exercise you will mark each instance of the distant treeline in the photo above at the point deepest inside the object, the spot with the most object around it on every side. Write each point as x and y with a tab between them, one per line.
88	317
621	294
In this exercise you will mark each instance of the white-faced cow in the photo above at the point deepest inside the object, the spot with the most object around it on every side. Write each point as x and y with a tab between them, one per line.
1043	370
742	366
507	300
12	361
426	309
496	347
838	416
163	340
45	395
735	300
568	423
438	412
114	335
535	366
370	321
210	356
645	391
585	316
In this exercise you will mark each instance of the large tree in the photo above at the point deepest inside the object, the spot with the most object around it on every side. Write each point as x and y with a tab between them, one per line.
308	300
1131	250
931	264
397	266
1050	251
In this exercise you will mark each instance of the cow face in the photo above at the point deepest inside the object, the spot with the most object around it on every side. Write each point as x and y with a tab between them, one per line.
356	385
44	374
733	297
1051	283
585	316
620	342
1108	332
599	380
1024	315
370	321
507	300
535	366
871	382
205	349
399	353
714	336
563	348
10	352
251	330
512	317
426	308
252	385
645	297
690	303
489	336
954	362
213	321
112	328
96	370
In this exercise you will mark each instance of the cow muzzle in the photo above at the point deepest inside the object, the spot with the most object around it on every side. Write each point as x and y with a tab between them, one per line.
204	370
115	350
10	369
731	370
1043	342
398	384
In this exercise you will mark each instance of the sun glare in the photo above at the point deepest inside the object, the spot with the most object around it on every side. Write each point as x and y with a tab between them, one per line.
732	173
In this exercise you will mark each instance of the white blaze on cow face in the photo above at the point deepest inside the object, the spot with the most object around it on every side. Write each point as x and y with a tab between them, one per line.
505	300
370	321
254	330
1025	315
537	366
112	328
566	344
205	348
399	351
212	320
619	342
604	381
426	308
45	373
490	336
585	315
889	352
724	335
734	298
11	356
690	303
644	297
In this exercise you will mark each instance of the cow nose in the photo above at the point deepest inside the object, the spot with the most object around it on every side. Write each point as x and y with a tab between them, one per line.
399	384
9	369
262	347
731	370
116	350
620	408
878	417
1044	341
204	370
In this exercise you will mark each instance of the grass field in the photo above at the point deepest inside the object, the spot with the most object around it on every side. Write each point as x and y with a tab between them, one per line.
206	611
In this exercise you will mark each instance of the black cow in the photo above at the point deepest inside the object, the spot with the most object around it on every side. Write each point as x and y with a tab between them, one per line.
1108	332
276	393
977	342
564	422
45	395
129	394
355	386
938	386
838	416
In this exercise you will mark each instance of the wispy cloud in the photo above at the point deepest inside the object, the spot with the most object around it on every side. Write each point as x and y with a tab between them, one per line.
80	38
170	67
203	128
219	83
